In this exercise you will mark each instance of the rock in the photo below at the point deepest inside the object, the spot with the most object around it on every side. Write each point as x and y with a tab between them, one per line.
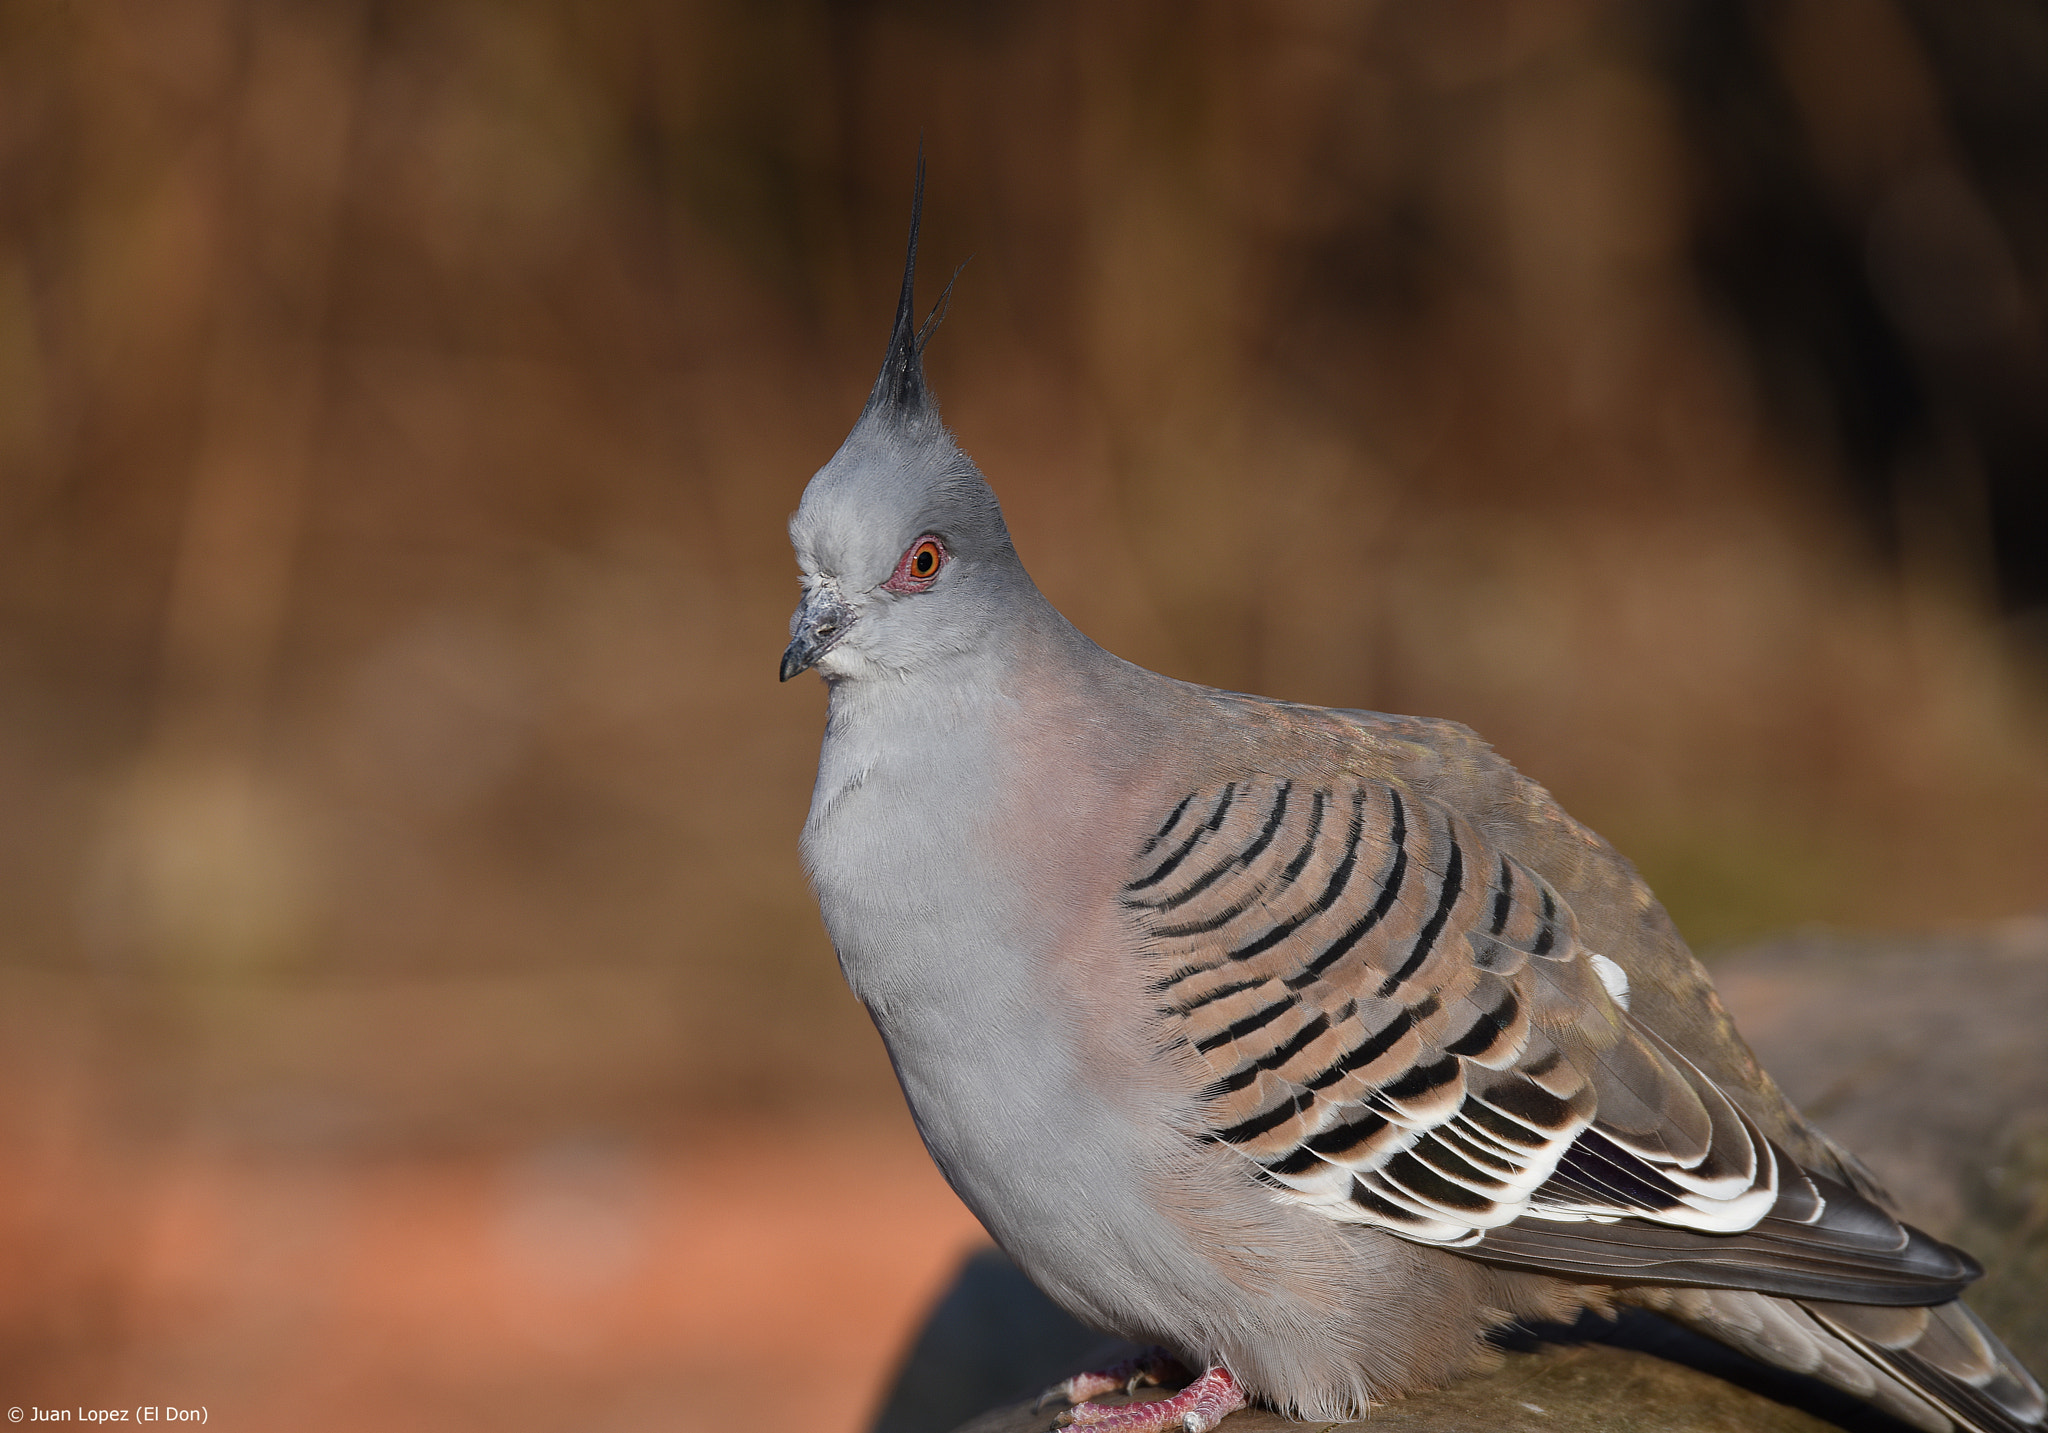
1587	1389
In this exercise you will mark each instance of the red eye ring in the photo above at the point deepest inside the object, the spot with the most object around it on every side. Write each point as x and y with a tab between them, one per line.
919	566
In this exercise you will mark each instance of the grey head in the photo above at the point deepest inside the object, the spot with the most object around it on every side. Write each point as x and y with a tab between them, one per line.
905	558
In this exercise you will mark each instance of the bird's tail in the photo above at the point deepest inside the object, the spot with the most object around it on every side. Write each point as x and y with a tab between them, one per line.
1936	1368
1947	1357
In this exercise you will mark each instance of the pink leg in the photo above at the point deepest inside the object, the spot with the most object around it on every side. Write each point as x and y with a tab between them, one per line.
1197	1408
1154	1365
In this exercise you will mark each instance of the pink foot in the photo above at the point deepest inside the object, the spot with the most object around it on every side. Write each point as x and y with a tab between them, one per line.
1154	1365
1197	1408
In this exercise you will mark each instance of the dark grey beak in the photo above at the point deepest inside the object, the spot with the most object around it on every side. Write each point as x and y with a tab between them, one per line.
821	619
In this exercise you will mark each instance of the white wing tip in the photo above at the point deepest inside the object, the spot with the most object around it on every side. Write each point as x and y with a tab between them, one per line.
1613	977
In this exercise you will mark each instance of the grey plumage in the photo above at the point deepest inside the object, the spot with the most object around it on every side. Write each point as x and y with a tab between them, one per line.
1310	1044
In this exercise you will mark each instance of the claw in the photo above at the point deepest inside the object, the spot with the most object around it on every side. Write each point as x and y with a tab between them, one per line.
1154	1365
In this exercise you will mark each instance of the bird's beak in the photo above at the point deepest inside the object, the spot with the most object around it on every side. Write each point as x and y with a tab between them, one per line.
821	619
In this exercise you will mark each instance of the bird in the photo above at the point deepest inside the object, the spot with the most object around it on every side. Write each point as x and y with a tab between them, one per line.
1307	1046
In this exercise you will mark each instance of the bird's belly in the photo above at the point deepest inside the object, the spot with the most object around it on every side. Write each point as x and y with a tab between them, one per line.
1056	1174
1033	1129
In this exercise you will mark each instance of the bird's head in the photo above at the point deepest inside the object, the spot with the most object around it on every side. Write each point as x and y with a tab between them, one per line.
905	558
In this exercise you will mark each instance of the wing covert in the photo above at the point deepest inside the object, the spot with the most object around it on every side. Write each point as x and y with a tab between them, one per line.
1402	1028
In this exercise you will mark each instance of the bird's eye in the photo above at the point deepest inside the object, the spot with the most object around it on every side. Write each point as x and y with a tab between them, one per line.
919	566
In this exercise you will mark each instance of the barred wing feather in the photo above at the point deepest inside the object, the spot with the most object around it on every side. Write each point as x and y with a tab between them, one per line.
1403	1029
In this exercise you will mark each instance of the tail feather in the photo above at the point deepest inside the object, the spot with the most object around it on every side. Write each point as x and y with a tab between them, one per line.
1780	1332
1936	1368
1951	1359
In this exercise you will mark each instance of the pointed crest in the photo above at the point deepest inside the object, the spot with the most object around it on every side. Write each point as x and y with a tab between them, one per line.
899	393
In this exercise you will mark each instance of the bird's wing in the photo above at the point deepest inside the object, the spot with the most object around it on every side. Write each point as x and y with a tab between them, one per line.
1401	1027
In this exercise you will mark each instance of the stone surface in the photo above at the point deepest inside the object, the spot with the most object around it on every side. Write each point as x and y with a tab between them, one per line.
1587	1389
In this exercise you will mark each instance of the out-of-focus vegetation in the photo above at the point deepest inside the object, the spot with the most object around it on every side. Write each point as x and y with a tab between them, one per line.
400	404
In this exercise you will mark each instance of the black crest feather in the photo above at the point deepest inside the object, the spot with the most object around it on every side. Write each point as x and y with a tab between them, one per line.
899	393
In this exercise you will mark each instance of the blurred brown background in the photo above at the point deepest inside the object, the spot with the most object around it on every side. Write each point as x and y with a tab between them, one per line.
411	1010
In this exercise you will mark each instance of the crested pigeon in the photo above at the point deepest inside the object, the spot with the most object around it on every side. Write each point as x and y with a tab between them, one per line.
1308	1045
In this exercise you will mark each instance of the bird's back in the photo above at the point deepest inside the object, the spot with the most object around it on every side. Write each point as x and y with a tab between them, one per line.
1618	914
